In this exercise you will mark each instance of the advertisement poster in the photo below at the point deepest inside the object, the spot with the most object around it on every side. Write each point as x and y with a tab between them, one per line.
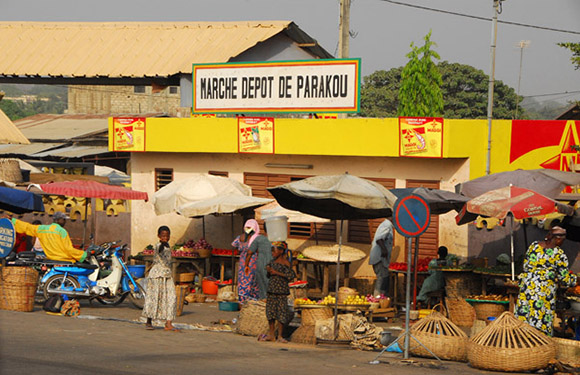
256	135
421	136
129	134
7	237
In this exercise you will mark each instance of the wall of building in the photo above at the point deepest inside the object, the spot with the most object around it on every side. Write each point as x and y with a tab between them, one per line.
219	229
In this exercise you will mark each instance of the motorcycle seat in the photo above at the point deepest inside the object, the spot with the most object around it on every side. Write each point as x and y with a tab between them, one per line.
26	255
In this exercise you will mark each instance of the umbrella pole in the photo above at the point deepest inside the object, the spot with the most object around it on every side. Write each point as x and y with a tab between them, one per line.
408	299
336	330
512	250
203	226
315	233
85	224
234	280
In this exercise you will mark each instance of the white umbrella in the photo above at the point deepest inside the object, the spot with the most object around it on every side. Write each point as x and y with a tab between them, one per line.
274	209
196	188
222	204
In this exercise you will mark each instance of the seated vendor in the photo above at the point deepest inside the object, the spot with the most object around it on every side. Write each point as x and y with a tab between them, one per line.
435	281
54	239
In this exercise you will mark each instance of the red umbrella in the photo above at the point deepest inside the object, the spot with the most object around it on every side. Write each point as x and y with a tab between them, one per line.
92	189
520	202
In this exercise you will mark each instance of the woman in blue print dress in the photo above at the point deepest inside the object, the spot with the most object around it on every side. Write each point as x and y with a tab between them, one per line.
247	284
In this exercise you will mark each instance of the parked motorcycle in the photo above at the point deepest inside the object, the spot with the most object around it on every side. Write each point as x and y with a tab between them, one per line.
106	279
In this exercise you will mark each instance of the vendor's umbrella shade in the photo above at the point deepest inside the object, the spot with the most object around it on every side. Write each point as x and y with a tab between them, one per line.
223	204
196	188
20	202
548	182
274	209
338	197
520	202
92	189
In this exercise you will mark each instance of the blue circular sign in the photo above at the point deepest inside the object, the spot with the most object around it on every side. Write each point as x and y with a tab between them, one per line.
7	237
411	216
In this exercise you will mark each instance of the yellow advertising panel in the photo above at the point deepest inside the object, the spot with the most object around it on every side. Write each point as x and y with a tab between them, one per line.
256	135
421	137
129	134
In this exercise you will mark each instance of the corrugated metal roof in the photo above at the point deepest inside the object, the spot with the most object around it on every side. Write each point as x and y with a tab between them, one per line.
130	49
73	152
10	133
27	149
62	127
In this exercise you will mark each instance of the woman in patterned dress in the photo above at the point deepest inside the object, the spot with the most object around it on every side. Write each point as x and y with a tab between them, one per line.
545	266
160	299
247	285
280	273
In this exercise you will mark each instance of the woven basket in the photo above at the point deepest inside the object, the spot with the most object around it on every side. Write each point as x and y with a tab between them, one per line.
344	292
252	320
461	284
304	335
364	284
310	316
17	288
180	291
460	312
509	344
10	170
567	351
483	310
203	253
195	298
185	277
441	336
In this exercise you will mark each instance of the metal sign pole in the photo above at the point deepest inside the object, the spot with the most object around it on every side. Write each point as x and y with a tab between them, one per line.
408	297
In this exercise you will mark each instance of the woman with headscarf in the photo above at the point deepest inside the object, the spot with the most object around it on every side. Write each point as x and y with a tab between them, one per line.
545	266
247	283
260	246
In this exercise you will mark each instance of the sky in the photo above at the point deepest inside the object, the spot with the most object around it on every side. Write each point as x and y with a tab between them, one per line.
382	31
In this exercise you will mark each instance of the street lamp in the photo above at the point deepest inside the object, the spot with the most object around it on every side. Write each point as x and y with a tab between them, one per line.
522	44
496	11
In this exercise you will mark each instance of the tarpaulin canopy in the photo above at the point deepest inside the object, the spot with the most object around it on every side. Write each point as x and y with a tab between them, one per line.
92	189
19	202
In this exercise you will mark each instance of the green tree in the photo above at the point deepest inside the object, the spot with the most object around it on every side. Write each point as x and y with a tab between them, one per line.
420	90
575	49
464	90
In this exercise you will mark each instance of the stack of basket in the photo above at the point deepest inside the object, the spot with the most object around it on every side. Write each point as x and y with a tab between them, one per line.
252	320
440	336
509	344
305	334
17	288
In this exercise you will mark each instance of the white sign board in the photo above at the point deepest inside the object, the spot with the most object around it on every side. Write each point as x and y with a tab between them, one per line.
281	86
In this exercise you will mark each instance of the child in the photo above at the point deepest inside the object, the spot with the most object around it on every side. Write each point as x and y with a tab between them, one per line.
160	299
280	274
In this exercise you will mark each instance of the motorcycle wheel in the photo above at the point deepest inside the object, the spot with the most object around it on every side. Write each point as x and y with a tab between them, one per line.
56	281
112	301
137	298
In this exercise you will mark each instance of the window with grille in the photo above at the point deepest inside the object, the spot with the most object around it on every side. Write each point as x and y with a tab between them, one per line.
139	89
163	176
259	182
363	231
173	89
218	173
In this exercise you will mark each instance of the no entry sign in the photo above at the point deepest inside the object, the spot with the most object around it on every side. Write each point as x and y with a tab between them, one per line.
411	216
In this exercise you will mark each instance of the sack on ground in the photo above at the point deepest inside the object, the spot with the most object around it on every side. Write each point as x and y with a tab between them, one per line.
53	303
71	308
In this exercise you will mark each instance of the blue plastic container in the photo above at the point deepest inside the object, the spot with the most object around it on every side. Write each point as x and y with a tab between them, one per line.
137	271
229	306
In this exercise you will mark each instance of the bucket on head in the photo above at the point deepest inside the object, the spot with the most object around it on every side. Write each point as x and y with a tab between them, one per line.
277	228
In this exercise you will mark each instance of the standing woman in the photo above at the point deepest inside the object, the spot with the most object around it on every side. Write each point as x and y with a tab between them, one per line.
261	246
247	285
545	266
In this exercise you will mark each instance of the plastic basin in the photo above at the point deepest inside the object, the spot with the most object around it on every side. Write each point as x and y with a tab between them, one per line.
137	271
229	306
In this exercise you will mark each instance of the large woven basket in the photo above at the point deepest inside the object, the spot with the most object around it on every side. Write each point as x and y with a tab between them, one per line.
181	291
483	310
344	292
304	335
10	170
252	320
461	284
509	344
567	351
364	284
440	336
310	316
460	312
17	288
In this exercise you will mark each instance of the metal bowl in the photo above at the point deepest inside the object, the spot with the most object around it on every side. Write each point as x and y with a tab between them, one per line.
386	338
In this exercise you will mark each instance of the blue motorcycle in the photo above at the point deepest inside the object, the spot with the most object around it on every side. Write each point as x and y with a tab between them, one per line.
106	278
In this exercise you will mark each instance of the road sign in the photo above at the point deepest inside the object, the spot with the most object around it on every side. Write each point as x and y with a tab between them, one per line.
411	216
7	237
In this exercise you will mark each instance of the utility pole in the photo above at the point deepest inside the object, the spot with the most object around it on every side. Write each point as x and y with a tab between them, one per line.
496	5
522	44
344	27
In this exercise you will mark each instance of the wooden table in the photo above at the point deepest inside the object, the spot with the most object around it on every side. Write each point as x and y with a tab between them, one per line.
222	260
201	265
486	276
321	269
